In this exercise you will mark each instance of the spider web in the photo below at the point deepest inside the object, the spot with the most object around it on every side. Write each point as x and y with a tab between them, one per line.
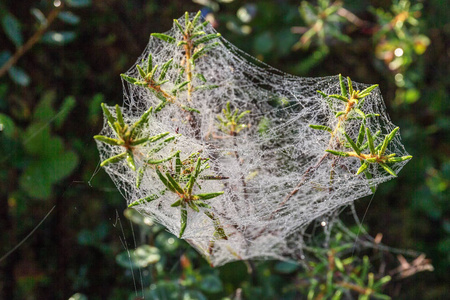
275	155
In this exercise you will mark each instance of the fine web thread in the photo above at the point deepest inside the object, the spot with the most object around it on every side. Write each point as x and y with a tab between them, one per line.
274	154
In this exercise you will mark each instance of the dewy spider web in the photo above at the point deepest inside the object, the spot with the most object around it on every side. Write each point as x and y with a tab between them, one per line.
272	166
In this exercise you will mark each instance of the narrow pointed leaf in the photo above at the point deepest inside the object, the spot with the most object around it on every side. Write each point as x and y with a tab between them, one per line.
140	176
201	77
152	73
193	176
321	127
220	232
339	97
322	94
175	184
114	159
136	127
340	113
370	141
204	50
139	141
178	164
197	34
359	112
155	162
350	86
149	63
206	87
177	203
362	168
157	137
388	169
107	140
384	145
119	116
186	20
366	144
164	69
165	181
164	37
338	153
130	160
241	115
141	72
399	159
181	43
372	115
198	27
191	109
177	25
162	144
128	78
147	199
193	206
367	91
352	144
343	88
196	18
183	221
108	115
361	135
179	86
206	38
208	195
392	134
202	204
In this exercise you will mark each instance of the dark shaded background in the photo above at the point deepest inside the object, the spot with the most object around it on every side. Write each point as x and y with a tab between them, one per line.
50	108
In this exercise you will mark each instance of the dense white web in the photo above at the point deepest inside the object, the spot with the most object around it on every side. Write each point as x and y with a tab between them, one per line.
276	177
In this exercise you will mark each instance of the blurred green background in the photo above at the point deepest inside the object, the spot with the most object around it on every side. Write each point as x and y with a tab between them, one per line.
60	59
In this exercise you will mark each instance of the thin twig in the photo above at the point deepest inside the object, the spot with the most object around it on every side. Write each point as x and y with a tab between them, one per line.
33	40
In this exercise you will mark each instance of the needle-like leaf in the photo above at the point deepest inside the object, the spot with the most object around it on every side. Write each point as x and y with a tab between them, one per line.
179	26
321	127
352	144
338	153
164	37
128	78
350	86
107	140
164	69
367	91
141	71
208	196
183	220
130	160
388	169
370	141
361	134
206	38
165	181
174	183
145	200
114	159
362	168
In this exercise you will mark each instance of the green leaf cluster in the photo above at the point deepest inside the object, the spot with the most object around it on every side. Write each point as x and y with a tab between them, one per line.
229	121
353	100
181	180
129	137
